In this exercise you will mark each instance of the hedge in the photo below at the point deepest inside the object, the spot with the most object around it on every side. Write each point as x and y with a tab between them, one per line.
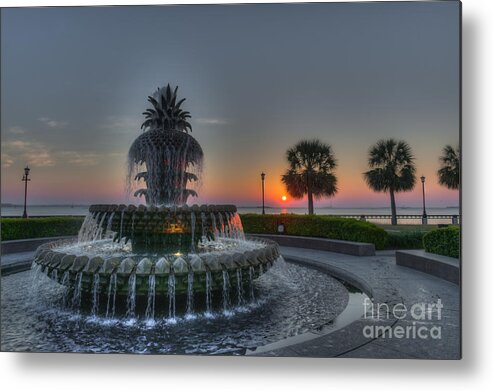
437	241
443	241
39	227
405	240
316	226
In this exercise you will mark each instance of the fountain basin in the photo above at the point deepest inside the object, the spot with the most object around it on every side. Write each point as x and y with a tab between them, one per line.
284	306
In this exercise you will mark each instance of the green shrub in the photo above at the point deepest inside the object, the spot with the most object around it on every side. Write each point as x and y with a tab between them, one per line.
443	241
38	227
405	240
316	226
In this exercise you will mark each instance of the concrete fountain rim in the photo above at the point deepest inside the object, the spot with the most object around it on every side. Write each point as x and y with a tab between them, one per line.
47	256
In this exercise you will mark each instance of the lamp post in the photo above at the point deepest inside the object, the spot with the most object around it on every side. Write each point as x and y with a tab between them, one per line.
263	199
25	179
424	219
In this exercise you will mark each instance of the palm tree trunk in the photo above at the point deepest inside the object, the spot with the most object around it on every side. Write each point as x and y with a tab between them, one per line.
393	208
310	201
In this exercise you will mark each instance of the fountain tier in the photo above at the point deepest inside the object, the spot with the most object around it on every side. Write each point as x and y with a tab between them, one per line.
60	259
162	229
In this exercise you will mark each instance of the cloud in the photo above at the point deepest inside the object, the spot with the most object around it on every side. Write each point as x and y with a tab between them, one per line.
80	158
37	155
20	145
16	130
54	124
121	124
211	121
28	152
7	160
41	159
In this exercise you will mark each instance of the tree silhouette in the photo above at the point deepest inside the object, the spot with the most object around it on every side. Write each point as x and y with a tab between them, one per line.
449	173
392	169
310	172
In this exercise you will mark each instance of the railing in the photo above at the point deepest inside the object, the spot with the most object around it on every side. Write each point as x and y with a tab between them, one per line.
453	219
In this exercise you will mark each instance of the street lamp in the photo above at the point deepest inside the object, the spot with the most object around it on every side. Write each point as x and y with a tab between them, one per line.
25	179
424	220
263	199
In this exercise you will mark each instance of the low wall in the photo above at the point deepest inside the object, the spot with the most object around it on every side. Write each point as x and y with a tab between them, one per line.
17	267
337	246
437	265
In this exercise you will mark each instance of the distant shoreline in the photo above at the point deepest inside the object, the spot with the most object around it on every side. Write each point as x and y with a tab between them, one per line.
239	206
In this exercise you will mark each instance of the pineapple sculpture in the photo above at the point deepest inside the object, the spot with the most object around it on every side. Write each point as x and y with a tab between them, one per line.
171	156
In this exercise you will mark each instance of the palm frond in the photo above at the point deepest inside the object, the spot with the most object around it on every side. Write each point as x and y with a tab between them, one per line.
295	184
449	172
392	167
311	165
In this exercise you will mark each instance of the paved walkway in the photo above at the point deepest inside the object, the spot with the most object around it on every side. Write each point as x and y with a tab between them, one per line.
392	287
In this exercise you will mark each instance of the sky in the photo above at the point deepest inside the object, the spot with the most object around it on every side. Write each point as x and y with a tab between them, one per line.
257	79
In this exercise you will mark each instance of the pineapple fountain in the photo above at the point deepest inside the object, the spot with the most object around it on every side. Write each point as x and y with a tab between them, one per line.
131	259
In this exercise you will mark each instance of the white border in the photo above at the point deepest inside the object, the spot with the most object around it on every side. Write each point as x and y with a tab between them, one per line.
475	371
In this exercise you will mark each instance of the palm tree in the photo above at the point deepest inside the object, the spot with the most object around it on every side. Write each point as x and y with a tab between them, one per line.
392	169
311	165
448	174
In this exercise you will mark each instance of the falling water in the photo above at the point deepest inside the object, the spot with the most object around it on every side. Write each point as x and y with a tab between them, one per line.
99	230
54	274
64	282
131	295
171	296
229	226
238	226
151	298
89	228
226	302
76	300
208	292
214	228
133	225
230	231
121	225
203	218
108	231
190	293
83	228
250	282
222	233
239	287
172	162
111	296
35	279
95	295
192	223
